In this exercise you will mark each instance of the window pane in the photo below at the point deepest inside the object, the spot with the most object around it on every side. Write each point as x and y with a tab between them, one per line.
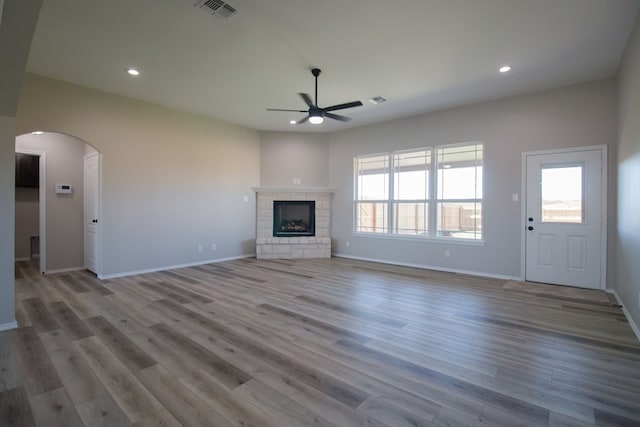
411	175
411	219
460	220
373	177
371	217
460	172
561	192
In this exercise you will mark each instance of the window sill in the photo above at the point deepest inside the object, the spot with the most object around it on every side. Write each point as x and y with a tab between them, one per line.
437	240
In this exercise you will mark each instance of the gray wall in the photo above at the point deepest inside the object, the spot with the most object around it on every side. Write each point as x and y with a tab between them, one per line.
628	231
64	212
27	220
285	156
575	116
17	25
7	215
171	181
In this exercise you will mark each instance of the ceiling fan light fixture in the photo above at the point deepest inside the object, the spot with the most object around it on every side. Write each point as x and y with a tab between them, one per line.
316	120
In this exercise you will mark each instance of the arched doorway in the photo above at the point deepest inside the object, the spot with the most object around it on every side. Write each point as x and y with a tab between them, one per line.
59	202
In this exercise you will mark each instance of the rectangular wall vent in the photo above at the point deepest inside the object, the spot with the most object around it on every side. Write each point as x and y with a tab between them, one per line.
219	8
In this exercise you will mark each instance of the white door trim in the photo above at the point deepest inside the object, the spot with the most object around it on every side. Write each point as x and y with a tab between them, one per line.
42	203
604	204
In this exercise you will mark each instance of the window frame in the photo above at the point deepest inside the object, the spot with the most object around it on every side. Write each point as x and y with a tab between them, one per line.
432	202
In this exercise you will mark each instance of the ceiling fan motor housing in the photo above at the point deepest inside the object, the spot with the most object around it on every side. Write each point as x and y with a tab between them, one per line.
316	112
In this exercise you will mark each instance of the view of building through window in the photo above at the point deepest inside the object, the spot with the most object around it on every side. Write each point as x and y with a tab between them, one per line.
431	192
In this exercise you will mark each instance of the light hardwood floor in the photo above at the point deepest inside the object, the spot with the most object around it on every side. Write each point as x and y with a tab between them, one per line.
313	343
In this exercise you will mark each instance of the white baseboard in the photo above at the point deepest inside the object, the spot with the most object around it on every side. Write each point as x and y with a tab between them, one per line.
7	326
636	329
23	259
429	267
64	270
170	267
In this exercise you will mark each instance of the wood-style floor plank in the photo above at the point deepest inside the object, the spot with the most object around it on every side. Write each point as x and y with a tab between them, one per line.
102	411
9	368
183	404
15	410
79	380
55	409
132	397
236	411
320	342
37	371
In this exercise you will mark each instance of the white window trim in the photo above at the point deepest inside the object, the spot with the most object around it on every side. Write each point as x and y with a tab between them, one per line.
432	201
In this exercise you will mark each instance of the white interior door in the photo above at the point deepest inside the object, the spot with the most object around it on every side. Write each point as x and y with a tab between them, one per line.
564	218
91	227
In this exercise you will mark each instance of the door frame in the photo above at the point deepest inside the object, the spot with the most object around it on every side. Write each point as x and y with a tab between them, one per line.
42	203
98	254
603	204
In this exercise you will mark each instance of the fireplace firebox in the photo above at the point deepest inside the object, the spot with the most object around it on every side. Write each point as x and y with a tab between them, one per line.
293	218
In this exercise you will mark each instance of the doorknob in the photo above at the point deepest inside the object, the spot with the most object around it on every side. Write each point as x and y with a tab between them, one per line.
530	219
95	221
530	228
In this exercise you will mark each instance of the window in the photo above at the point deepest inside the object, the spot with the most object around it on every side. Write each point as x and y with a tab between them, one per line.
561	193
431	192
372	195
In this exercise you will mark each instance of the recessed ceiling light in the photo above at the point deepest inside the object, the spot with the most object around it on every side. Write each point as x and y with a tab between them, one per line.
37	132
133	72
505	68
292	122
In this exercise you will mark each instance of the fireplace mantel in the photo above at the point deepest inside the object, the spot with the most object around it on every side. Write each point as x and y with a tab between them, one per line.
293	190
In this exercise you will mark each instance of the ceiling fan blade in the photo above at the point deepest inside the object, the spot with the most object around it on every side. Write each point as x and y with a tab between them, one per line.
337	117
343	106
282	109
307	99
303	120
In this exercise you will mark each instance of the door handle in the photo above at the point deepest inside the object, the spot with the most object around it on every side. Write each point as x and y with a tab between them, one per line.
95	221
530	219
530	228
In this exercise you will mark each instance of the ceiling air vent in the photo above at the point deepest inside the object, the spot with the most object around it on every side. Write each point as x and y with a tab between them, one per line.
377	100
219	8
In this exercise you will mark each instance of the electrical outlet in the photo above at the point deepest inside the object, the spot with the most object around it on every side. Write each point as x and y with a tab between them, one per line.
199	248
447	254
245	199
347	243
214	247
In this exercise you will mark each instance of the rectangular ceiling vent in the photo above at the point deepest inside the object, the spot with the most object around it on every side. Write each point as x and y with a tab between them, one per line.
219	8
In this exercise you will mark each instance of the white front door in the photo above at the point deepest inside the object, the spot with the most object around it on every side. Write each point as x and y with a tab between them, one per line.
91	220
564	213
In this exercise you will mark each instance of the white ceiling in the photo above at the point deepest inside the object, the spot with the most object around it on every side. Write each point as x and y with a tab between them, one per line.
422	55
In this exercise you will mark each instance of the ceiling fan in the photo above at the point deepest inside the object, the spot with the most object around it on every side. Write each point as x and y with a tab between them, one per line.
315	114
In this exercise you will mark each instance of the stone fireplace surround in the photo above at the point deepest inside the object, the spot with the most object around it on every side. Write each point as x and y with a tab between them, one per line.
318	246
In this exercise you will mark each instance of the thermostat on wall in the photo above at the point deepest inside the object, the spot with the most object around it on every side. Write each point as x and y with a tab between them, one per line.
63	189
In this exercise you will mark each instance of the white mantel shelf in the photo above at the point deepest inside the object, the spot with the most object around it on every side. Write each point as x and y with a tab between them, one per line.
293	189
